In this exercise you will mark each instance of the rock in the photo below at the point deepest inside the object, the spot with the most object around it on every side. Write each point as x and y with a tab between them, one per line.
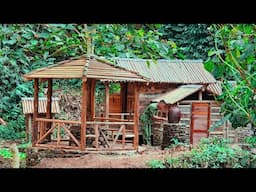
141	149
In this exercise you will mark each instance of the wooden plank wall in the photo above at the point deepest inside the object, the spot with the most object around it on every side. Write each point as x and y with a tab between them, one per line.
114	103
185	107
146	94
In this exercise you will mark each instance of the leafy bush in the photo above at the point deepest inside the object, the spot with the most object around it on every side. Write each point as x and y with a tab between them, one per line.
251	140
212	153
7	154
156	164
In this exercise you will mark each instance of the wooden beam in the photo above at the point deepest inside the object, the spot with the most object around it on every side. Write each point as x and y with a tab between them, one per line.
30	128
49	106
92	92
106	99
58	121
49	100
35	114
83	114
52	146
124	97
88	100
47	133
200	95
136	117
208	118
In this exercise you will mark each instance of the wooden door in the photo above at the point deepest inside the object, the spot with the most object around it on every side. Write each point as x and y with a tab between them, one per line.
200	122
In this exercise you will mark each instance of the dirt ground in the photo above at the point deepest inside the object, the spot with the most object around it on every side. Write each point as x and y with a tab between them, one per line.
128	160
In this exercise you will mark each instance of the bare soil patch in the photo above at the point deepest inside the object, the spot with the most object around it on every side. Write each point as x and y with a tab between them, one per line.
115	160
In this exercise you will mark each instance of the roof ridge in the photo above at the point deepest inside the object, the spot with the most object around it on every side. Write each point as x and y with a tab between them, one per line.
182	60
120	67
170	60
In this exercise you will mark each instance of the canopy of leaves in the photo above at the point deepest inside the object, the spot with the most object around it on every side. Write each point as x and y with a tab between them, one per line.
233	58
195	40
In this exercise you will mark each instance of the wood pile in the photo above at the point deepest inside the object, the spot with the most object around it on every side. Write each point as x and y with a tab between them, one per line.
70	105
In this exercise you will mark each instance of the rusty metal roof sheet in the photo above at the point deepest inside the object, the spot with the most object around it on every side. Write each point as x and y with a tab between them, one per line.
28	105
178	94
169	71
89	67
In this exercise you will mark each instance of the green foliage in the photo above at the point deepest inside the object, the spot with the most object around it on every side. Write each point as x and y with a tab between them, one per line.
251	141
114	88
220	122
195	40
7	154
175	143
233	57
133	41
156	164
212	153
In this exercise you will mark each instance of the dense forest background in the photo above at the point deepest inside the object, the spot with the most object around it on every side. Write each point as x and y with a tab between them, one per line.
228	52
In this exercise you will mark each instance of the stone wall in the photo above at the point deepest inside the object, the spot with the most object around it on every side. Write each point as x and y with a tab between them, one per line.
175	130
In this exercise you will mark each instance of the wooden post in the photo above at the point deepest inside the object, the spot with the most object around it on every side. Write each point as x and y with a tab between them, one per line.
49	107
136	117
49	100
200	95
107	100
208	118
88	100
92	92
83	114
35	128
123	97
30	128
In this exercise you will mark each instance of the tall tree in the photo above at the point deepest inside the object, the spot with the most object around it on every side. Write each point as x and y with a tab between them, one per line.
233	56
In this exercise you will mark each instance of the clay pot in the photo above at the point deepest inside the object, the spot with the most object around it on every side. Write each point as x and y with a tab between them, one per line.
174	114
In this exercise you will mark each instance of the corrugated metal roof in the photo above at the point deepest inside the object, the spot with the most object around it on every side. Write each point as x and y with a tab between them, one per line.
84	66
178	94
28	105
169	71
215	88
